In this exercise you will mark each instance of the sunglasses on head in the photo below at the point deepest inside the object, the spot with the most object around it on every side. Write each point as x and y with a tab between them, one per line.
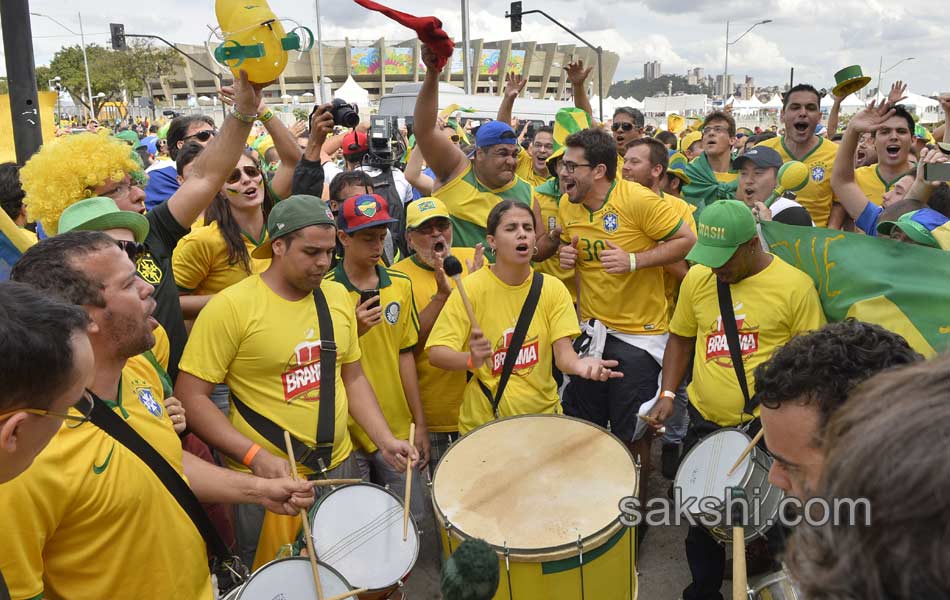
203	136
133	250
249	170
624	126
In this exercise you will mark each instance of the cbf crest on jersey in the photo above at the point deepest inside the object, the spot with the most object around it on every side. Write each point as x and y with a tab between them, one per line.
818	173
148	401
611	222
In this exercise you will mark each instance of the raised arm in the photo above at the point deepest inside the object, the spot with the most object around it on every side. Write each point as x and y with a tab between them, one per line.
514	85
414	174
847	191
445	159
287	149
217	160
308	175
833	117
577	75
945	103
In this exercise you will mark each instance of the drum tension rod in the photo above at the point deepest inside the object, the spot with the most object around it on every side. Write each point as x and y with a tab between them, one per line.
511	595
580	560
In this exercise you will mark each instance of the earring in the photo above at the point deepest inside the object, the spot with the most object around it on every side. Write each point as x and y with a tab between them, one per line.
535	253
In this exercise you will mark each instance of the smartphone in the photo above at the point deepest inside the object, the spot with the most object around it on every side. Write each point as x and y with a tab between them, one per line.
369	294
937	172
401	122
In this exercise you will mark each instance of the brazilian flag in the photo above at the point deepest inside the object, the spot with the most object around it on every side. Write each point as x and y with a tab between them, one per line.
900	286
13	243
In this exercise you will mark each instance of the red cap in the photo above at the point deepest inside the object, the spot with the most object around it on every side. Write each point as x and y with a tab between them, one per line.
360	212
355	141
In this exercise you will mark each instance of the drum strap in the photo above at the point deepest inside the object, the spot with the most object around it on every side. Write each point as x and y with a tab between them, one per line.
316	459
517	339
732	338
105	419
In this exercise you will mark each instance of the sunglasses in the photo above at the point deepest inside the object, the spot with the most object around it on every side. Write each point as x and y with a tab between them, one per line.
624	126
84	406
249	170
203	136
133	250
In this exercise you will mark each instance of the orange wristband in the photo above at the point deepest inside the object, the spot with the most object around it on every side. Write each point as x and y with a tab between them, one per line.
251	453
470	364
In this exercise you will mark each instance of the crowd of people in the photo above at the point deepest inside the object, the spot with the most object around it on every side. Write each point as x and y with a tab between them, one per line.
209	287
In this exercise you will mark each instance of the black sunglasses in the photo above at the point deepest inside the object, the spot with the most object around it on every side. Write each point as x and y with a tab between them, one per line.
625	126
133	250
203	136
249	170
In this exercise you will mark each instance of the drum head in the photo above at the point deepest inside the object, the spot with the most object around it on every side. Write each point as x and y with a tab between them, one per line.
357	529
291	579
703	472
535	483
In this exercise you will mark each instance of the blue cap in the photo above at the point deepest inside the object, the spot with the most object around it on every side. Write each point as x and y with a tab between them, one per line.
493	133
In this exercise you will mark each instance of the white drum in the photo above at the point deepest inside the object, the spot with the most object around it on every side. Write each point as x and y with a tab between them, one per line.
357	530
777	586
289	579
703	474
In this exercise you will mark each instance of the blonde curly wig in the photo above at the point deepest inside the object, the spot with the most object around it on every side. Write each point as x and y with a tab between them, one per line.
67	171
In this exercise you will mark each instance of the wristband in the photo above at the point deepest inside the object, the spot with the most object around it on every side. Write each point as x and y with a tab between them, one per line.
668	394
266	116
470	365
251	453
633	262
249	119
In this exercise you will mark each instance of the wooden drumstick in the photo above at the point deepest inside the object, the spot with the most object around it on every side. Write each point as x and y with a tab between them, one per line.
453	268
405	507
755	440
739	583
307	534
326	482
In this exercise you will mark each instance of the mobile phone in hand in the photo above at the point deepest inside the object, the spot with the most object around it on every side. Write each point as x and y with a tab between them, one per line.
369	294
937	172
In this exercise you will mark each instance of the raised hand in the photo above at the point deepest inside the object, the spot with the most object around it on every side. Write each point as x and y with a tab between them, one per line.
897	93
576	73
871	117
514	84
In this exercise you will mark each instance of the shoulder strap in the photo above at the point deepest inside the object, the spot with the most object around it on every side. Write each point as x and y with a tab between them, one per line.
517	339
106	420
728	317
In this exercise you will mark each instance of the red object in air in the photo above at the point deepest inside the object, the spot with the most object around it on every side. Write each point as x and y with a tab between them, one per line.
429	29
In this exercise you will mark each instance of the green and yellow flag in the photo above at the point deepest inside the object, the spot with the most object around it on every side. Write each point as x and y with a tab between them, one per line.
902	287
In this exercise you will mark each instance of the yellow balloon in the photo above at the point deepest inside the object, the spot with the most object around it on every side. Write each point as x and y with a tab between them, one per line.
793	176
252	39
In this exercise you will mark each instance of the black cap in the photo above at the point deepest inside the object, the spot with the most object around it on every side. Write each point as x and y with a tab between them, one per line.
761	156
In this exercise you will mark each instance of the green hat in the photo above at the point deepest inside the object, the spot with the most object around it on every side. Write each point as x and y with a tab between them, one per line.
287	216
566	122
849	80
917	225
678	162
128	136
723	226
100	214
471	573
163	131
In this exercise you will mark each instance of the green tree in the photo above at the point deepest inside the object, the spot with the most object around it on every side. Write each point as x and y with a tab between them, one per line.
143	63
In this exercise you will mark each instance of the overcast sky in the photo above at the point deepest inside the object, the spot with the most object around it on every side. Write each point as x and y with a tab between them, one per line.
816	37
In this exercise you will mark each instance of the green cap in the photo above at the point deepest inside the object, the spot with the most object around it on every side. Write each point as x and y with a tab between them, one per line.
287	216
100	214
128	136
723	226
910	223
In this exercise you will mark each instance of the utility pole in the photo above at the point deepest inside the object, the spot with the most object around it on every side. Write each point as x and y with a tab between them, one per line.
466	67
21	78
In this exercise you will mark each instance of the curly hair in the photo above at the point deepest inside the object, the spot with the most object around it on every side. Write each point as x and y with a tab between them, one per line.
822	367
68	170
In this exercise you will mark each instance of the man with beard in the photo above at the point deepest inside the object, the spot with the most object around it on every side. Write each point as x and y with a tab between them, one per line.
893	139
801	114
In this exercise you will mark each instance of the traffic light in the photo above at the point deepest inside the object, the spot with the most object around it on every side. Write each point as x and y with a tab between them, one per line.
515	16
118	36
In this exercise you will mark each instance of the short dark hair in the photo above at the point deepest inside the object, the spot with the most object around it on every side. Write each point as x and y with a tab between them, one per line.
35	332
940	199
901	111
659	154
633	113
187	155
499	210
718	115
668	137
50	266
346	178
599	148
544	129
901	207
178	129
801	87
153	128
823	366
11	192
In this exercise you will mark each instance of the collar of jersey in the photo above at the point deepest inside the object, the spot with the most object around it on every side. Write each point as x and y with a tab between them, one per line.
339	275
118	401
613	184
821	141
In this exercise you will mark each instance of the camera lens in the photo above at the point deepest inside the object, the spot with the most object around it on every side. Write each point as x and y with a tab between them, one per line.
345	114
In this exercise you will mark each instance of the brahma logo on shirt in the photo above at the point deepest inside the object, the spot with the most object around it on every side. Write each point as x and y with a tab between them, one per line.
301	379
717	347
527	358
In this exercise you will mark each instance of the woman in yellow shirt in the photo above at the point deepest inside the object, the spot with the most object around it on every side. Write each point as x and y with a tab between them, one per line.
497	295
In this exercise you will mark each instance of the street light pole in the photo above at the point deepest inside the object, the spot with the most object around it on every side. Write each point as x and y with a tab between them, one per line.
320	53
82	38
725	74
881	72
466	73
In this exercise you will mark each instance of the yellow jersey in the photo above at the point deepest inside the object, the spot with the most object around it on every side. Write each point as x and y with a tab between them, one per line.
817	195
440	390
635	219
549	215
684	210
727	177
200	261
469	201
267	350
525	170
531	388
872	184
89	510
770	307
398	332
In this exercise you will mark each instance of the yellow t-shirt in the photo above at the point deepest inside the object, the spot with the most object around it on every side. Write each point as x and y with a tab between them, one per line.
267	350
552	266
771	307
872	184
397	333
684	210
635	219
440	390
162	347
531	388
88	520
525	170
727	177
817	195
200	261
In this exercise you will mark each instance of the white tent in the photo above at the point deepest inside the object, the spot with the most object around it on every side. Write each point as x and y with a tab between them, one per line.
775	102
927	109
353	93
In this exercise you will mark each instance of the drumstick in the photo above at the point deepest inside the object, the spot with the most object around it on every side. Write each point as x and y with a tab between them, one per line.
745	452
325	482
739	584
307	534
405	508
453	268
348	594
